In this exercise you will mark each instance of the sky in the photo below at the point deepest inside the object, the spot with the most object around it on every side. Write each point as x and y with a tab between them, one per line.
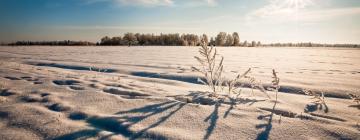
268	21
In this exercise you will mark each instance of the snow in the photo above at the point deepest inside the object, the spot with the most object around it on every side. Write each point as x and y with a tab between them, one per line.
139	92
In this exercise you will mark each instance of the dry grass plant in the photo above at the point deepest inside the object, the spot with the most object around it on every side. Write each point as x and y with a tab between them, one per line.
275	84
97	70
232	85
212	69
355	98
318	97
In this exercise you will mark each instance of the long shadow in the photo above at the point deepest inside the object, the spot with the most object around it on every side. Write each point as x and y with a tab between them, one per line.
236	100
188	79
233	102
161	120
146	109
6	92
121	123
264	135
355	106
12	78
72	67
316	106
82	134
213	117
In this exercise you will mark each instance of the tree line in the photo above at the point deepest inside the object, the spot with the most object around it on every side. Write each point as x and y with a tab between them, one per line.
310	44
52	43
173	39
129	39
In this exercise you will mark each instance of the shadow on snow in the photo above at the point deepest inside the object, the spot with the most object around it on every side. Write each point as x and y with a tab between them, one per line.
122	121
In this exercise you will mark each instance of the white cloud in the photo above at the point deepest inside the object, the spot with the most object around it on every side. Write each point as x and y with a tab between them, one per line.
126	28
211	2
327	14
146	2
153	3
278	11
282	7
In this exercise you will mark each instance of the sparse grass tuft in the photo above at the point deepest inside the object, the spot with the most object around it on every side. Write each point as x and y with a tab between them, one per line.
256	84
275	84
355	98
319	100
231	85
211	68
318	96
97	70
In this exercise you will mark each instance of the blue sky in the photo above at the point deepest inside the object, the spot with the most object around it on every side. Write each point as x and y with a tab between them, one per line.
323	21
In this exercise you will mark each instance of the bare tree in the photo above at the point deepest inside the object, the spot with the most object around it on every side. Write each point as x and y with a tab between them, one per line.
116	40
190	39
229	40
253	43
236	39
130	39
212	42
259	43
220	39
245	44
105	40
205	39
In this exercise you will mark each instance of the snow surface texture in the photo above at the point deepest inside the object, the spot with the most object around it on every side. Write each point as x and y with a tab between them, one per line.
143	93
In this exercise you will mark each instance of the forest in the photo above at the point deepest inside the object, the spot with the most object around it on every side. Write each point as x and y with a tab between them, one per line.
173	39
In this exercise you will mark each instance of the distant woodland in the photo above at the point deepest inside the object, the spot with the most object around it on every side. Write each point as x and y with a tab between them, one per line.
137	39
52	43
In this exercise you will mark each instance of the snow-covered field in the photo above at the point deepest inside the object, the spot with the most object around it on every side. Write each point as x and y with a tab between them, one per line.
132	93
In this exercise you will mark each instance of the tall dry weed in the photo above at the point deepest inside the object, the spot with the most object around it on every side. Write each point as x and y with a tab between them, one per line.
233	86
355	98
211	67
318	97
97	70
275	84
